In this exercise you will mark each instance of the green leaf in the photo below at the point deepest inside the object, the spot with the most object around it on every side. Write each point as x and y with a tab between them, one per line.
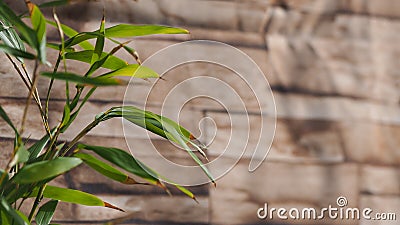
74	196
57	47
70	33
145	119
124	31
45	169
186	192
101	61
39	26
46	212
182	189
38	22
172	130
112	62
27	33
3	218
75	114
81	38
5	179
129	50
10	37
94	81
36	148
161	126
16	52
105	169
23	216
22	155
123	160
66	115
128	30
3	28
133	70
5	117
98	48
11	213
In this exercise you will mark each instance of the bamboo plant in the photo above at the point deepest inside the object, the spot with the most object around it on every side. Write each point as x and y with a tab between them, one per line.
30	168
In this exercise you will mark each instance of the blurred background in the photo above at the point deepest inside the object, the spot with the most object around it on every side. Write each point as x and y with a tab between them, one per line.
333	67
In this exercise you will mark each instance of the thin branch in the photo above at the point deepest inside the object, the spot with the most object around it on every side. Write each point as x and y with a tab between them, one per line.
80	135
29	78
27	81
18	71
26	73
46	107
38	199
45	119
28	99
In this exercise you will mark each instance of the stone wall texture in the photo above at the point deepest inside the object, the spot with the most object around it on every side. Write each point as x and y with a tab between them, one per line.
334	69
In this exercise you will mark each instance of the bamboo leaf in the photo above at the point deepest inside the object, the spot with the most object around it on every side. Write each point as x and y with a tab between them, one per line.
10	37
66	115
11	213
98	48
42	170
182	189
46	212
81	38
124	31
128	30
112	62
16	52
133	70
161	126
145	119
68	31
23	216
181	141
3	218
38	22
75	114
105	169
22	155
96	81
101	62
27	33
3	28
129	50
186	192
123	160
5	179
38	147
57	47
74	196
5	117
39	26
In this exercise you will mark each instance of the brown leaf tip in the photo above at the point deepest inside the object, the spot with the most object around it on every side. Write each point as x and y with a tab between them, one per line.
130	180
108	205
